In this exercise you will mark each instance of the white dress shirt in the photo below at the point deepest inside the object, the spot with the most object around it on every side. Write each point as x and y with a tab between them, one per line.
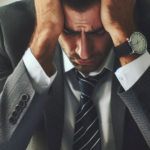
101	95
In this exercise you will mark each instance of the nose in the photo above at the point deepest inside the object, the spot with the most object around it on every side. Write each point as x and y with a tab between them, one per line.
83	47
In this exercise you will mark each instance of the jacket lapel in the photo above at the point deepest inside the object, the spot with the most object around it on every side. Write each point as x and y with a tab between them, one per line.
54	114
118	112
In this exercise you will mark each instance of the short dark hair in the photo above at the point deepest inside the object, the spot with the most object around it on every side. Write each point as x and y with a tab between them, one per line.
80	5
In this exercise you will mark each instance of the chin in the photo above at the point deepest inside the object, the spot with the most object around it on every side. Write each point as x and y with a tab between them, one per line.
87	69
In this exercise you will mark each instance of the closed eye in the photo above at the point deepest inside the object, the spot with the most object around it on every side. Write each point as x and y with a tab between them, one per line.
99	31
69	31
99	34
66	32
102	32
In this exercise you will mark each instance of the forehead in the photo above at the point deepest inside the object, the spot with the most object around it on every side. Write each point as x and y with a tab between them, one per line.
86	21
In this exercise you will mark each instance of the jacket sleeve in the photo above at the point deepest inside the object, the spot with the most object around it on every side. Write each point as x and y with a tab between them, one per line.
21	108
137	99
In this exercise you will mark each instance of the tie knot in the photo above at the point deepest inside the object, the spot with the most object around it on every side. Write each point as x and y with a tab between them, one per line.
87	85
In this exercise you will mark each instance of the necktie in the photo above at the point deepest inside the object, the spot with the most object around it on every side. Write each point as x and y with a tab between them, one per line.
87	133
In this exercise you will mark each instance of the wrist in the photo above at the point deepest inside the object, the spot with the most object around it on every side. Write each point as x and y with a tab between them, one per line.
119	36
42	46
43	43
128	58
43	37
46	62
48	67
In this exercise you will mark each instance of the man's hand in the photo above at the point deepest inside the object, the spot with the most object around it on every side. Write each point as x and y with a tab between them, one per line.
118	19
49	25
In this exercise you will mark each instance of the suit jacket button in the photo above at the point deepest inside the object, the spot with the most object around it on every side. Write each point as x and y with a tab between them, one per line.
22	104
12	120
25	97
15	114
18	109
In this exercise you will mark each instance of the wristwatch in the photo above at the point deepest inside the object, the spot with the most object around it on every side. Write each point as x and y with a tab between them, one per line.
135	44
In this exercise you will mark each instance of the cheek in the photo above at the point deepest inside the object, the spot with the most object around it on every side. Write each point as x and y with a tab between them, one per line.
69	43
102	44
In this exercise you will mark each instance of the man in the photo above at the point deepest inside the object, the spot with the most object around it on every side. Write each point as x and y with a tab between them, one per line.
39	113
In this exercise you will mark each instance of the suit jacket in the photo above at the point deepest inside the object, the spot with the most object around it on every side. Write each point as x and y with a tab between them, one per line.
37	120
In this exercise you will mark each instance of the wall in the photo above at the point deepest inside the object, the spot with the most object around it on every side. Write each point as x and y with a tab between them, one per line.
5	2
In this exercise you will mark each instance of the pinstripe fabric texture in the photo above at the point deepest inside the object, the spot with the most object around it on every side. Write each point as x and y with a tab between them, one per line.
87	133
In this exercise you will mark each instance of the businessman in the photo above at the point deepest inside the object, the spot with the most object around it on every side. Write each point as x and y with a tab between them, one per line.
75	75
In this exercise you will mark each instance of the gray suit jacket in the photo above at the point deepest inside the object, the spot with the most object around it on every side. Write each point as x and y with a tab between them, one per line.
37	120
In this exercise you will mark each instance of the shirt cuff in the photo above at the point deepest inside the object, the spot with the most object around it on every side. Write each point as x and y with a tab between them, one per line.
129	74
40	81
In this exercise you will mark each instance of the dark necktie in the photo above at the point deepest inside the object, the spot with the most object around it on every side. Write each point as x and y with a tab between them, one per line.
87	132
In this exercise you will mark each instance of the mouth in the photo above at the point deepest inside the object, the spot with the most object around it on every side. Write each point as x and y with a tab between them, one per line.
86	63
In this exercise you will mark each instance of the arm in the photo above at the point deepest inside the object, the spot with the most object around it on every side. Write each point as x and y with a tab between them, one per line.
118	19
15	84
18	94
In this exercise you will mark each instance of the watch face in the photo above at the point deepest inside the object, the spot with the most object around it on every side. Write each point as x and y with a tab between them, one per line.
138	42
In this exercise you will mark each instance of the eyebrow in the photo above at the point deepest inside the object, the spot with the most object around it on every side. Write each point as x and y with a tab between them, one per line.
90	32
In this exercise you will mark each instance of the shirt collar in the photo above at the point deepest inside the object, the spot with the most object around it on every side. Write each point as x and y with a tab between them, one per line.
108	64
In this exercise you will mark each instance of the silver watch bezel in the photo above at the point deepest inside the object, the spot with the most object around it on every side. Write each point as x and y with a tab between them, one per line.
130	43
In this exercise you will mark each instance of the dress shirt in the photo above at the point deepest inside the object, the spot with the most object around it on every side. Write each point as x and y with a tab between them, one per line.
101	94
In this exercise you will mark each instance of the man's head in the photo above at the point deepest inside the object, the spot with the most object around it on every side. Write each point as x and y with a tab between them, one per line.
84	40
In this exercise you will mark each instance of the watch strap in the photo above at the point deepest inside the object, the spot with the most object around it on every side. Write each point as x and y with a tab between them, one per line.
122	50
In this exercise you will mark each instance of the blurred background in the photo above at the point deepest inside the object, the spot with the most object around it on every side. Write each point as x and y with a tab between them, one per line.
5	2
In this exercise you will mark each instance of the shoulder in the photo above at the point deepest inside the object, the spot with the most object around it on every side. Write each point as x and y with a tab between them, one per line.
17	15
16	28
22	10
